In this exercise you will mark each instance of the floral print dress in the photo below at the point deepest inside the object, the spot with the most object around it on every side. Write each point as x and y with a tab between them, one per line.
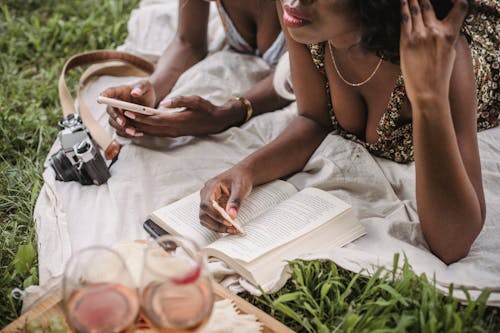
482	28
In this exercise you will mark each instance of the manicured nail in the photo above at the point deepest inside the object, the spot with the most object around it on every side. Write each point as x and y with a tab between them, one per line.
136	91
166	102
120	121
233	212
130	131
129	114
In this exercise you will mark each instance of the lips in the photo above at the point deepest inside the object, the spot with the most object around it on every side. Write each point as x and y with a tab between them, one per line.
294	18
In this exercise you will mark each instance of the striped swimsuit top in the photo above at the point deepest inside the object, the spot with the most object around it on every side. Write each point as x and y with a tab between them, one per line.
239	44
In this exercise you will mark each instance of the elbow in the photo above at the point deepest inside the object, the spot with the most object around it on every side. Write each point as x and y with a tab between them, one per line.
451	256
451	247
454	248
199	48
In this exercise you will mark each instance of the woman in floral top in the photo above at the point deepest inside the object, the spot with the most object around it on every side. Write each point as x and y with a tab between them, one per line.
407	79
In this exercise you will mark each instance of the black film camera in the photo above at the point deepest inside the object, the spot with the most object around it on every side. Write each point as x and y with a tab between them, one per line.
79	158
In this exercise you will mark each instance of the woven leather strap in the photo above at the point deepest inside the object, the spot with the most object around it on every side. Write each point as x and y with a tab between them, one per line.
104	62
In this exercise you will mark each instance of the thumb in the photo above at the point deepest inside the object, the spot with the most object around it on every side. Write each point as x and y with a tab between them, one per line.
457	15
234	202
180	101
191	102
139	89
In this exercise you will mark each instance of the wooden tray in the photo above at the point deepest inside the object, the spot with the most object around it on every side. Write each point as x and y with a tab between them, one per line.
52	306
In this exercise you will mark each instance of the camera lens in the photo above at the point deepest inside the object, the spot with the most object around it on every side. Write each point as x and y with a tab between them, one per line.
83	147
70	120
63	167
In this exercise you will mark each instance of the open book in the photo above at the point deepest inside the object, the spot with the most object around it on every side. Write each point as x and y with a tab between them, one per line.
280	223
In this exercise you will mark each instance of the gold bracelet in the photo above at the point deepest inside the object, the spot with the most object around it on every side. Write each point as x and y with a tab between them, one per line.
247	105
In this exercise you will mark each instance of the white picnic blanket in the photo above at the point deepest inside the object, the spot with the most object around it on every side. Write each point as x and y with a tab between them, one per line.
70	216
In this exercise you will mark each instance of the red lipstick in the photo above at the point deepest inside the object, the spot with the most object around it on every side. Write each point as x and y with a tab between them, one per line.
294	18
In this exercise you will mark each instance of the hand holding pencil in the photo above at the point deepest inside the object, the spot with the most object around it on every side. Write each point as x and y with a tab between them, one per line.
221	198
228	218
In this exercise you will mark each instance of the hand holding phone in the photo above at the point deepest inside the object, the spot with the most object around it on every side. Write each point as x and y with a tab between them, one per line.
126	105
145	110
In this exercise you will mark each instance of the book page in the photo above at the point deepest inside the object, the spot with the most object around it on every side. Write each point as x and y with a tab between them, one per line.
264	197
182	216
290	219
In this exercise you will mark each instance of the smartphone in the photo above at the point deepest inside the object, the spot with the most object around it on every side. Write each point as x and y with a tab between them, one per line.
135	107
126	105
153	229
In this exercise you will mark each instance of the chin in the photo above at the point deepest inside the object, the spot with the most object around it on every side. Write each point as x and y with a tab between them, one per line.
304	35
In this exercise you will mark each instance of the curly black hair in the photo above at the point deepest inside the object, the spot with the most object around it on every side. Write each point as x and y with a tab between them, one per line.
381	22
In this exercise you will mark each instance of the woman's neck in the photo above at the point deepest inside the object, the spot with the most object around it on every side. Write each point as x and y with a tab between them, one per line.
346	41
345	30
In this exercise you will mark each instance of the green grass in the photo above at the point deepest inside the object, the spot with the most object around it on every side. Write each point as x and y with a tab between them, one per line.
321	297
35	38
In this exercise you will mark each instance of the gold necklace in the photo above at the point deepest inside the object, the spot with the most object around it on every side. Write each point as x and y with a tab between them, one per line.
343	79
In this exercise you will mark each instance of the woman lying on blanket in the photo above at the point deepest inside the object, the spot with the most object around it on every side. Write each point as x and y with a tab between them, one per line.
398	77
252	27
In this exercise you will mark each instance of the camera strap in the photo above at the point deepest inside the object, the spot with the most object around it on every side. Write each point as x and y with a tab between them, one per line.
104	62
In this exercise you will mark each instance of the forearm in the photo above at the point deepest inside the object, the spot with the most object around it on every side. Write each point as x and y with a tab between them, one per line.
450	209
287	154
175	60
263	98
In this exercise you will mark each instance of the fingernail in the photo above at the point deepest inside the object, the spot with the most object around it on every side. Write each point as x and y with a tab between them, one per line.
120	121
136	91
130	131
137	134
129	114
231	230
166	102
232	212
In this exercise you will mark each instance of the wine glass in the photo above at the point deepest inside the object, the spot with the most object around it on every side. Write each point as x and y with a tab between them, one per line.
176	285
99	292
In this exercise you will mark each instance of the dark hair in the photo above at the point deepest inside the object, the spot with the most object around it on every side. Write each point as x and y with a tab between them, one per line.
381	22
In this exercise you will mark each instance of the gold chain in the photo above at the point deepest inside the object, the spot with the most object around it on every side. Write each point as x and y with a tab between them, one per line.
343	79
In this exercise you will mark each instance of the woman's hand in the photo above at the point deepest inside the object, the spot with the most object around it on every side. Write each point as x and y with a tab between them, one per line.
229	189
427	48
200	118
141	93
